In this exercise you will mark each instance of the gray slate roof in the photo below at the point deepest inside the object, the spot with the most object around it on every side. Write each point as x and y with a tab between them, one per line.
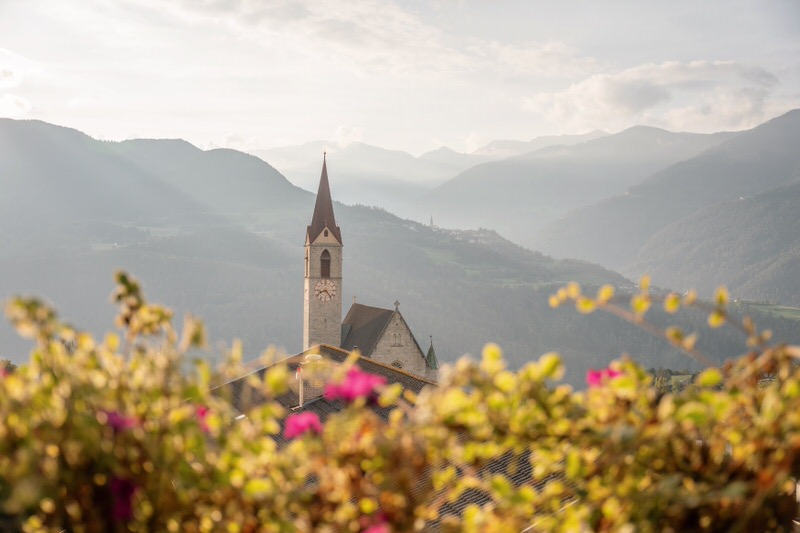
363	326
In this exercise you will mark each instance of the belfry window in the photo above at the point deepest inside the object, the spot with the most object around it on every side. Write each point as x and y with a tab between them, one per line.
325	264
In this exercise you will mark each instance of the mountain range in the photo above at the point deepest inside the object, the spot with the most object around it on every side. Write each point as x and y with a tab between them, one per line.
219	233
519	195
392	179
724	216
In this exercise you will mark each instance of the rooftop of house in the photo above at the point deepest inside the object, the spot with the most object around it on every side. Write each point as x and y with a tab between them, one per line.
244	397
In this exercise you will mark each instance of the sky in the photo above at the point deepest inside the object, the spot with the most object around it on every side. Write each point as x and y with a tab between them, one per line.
406	75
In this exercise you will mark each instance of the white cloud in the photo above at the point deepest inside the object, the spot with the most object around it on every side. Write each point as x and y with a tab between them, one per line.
14	68
551	59
13	106
82	102
9	77
697	95
722	109
345	135
365	37
473	141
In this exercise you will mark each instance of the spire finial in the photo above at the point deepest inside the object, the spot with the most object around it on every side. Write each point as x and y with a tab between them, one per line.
396	305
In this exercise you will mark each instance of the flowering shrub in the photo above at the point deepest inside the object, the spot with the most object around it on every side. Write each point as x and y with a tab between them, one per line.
116	435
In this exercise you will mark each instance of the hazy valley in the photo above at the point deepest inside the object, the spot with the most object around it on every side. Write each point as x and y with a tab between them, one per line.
220	233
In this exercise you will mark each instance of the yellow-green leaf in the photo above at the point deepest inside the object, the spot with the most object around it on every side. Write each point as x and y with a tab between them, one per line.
672	303
709	378
716	319
721	296
605	294
585	305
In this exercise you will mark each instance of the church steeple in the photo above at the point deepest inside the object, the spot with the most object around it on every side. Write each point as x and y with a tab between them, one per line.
322	307
323	210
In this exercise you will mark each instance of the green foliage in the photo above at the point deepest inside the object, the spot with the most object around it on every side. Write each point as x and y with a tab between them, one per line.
111	435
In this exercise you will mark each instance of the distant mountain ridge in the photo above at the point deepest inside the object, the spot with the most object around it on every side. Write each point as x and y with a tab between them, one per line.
393	179
503	149
675	217
519	195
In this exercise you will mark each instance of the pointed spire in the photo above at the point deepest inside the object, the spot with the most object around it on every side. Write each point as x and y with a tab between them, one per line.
323	210
430	359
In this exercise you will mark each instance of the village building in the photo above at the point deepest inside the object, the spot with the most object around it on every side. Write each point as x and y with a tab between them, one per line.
377	333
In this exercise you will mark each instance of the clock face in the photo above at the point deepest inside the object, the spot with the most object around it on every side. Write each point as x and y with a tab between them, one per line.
325	290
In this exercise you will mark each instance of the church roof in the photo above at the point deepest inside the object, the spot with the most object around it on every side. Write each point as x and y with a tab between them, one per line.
363	326
323	209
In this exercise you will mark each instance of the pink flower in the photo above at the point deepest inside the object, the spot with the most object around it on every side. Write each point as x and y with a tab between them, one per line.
595	378
202	412
378	528
299	423
356	384
375	524
122	491
120	422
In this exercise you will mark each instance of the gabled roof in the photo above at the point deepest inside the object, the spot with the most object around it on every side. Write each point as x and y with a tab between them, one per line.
363	326
323	210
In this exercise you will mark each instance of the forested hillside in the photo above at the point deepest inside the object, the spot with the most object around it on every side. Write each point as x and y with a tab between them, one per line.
752	245
612	232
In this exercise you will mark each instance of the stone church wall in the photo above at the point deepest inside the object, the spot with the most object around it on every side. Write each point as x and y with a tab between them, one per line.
397	348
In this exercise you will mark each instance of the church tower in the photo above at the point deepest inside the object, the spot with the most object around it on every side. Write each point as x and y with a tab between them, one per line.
322	304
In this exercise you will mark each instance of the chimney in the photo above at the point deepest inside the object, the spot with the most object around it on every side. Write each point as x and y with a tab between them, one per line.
299	377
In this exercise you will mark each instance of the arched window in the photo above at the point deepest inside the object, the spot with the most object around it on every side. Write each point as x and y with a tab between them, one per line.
325	264
397	363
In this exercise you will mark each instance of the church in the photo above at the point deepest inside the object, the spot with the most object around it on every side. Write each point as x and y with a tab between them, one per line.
377	333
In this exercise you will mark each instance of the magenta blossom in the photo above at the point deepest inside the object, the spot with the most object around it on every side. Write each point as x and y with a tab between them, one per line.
595	378
375	524
120	422
300	423
122	491
202	412
378	528
356	384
